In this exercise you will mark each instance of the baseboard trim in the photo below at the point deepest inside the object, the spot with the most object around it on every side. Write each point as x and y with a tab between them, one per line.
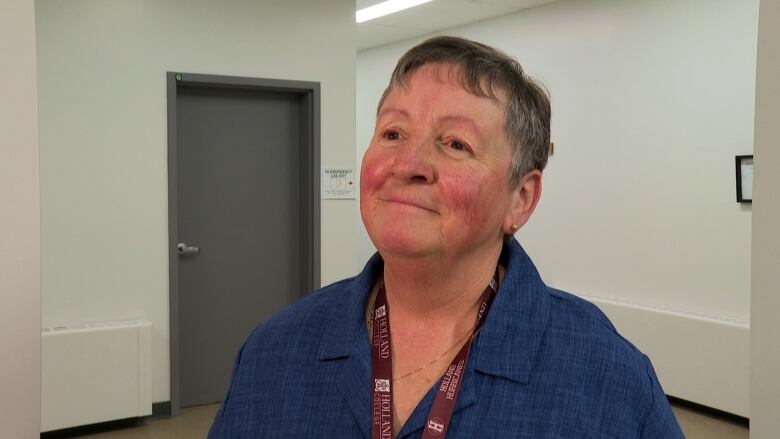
84	430
161	410
720	414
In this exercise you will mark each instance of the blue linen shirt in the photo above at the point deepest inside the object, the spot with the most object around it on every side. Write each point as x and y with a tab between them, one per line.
546	365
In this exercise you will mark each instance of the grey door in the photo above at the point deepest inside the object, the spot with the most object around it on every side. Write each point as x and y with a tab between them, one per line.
243	199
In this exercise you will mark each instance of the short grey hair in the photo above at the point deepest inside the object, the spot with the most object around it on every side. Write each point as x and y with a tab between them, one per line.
483	70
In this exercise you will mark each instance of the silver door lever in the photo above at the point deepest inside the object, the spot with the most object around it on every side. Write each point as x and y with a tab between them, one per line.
185	250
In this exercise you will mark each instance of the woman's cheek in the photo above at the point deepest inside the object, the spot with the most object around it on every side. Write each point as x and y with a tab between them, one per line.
373	172
465	196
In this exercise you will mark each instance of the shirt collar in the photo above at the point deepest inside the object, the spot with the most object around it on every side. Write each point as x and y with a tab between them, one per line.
509	340
342	337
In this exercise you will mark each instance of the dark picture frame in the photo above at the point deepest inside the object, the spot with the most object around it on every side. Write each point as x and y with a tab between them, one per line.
744	191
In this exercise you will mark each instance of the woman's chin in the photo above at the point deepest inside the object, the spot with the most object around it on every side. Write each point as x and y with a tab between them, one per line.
405	244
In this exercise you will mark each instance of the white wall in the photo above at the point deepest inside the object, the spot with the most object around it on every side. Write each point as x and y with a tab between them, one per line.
20	294
765	301
651	102
101	74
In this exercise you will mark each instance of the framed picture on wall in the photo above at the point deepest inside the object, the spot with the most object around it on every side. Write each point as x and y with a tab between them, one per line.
744	166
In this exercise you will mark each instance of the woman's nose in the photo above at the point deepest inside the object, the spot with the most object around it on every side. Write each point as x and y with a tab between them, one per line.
414	162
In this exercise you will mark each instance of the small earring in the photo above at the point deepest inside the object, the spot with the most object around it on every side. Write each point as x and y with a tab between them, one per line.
515	228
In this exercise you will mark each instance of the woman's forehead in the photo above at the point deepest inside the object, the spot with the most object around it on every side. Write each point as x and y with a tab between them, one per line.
440	84
435	91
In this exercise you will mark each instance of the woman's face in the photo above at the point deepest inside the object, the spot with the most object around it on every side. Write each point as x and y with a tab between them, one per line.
434	179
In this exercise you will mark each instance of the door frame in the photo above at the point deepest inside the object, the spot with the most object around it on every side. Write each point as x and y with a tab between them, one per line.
309	93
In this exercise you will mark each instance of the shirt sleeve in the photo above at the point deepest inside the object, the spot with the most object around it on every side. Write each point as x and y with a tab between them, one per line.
660	422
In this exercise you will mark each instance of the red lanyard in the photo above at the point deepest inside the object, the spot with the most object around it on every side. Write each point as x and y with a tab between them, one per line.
382	371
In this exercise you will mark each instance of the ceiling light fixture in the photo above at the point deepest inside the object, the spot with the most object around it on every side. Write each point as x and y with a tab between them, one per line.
386	8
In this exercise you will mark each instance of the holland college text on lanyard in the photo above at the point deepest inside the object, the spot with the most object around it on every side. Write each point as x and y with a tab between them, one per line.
382	371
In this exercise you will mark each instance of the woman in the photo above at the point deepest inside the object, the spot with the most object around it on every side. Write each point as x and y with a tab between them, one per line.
448	331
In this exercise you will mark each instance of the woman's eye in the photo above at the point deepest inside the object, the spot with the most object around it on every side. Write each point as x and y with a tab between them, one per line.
454	144
392	135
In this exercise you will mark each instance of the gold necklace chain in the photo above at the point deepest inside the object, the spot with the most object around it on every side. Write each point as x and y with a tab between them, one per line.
370	324
421	368
458	343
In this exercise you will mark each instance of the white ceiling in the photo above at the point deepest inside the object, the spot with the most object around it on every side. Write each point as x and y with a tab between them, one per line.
431	17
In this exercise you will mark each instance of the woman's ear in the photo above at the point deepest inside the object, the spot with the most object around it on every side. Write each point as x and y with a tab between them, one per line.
524	199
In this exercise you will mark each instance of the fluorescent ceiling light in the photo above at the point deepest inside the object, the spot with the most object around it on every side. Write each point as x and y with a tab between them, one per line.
385	8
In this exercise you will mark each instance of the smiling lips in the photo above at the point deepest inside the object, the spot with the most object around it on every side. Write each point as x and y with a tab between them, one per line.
407	202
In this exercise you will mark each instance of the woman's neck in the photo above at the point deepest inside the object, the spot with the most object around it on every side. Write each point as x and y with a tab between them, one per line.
433	306
438	293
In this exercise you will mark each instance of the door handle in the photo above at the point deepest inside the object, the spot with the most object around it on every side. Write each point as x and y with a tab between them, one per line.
188	251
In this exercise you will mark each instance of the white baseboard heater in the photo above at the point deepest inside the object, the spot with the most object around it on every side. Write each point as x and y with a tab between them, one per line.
700	359
95	372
